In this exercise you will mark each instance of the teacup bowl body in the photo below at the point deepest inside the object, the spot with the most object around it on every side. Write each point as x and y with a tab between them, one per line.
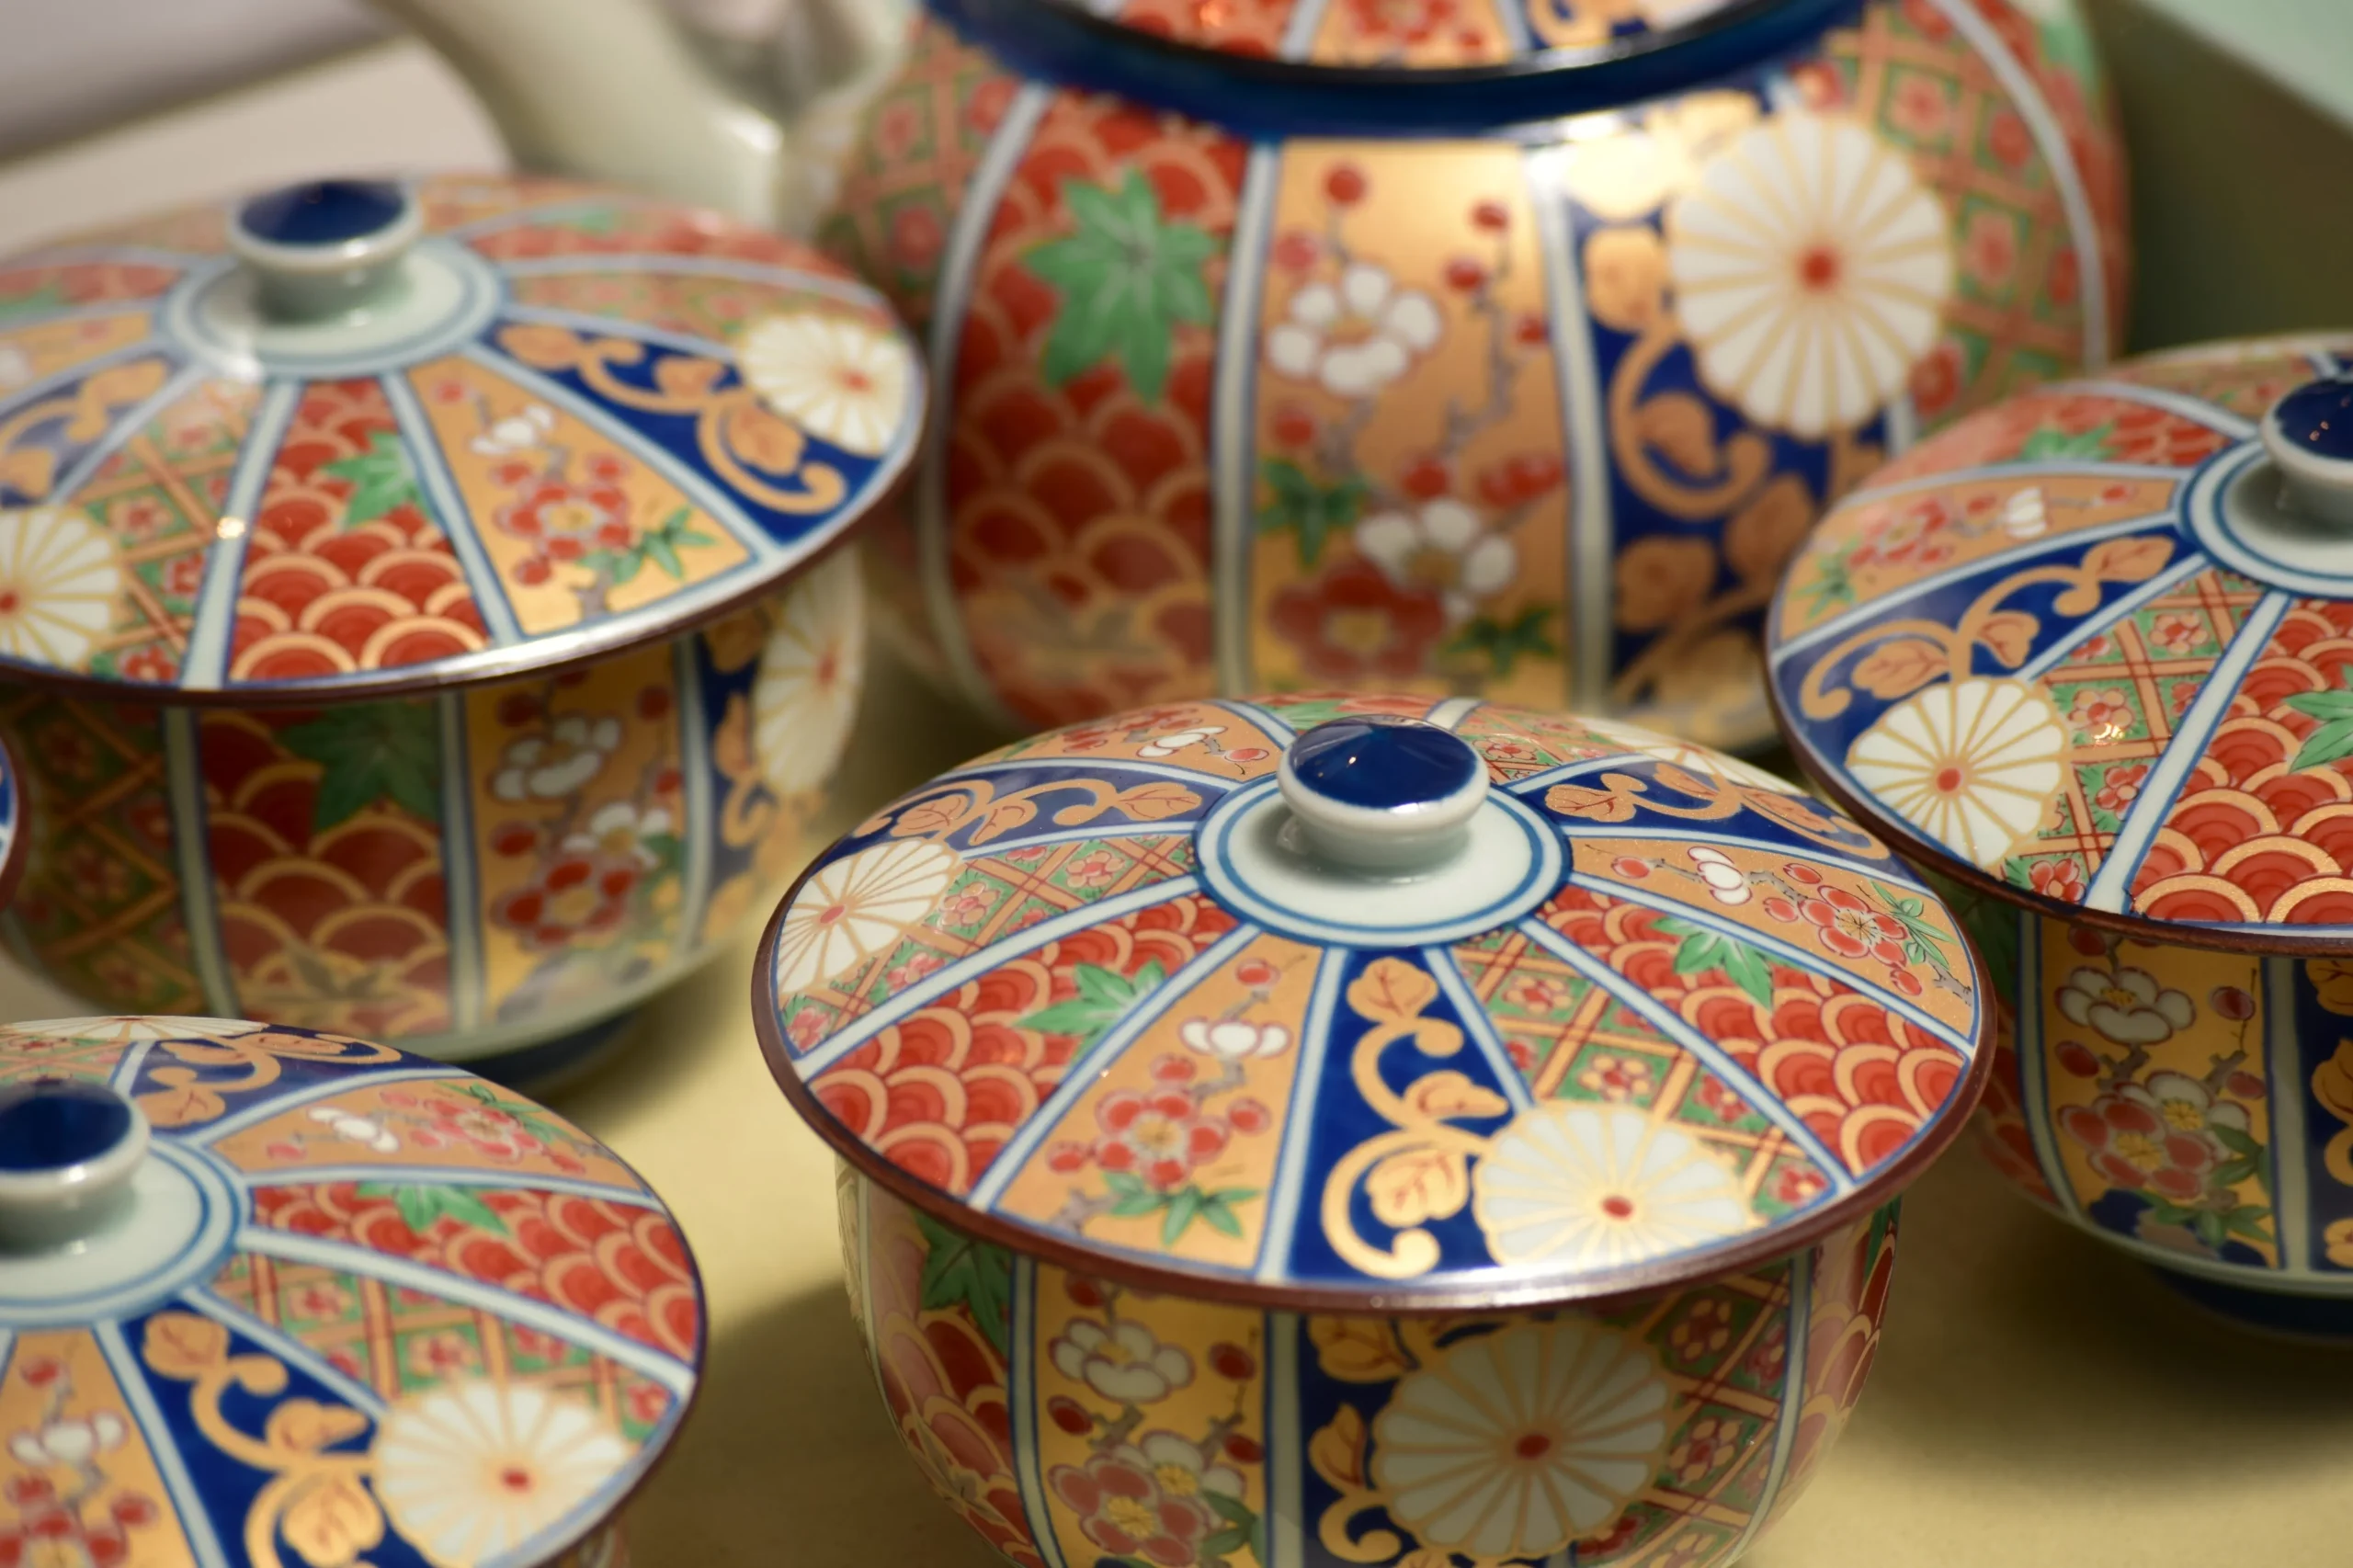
493	874
2189	1105
1047	1407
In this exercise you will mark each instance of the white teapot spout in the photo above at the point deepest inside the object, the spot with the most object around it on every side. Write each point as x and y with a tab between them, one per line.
742	105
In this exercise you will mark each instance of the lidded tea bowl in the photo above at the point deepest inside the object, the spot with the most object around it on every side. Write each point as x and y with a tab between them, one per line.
1495	347
274	1296
1323	1127
2084	656
417	602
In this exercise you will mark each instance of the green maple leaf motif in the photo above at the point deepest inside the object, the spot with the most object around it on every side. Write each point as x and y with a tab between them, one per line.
960	1272
1103	995
2057	446
381	478
1132	1199
1128	277
1834	588
421	1208
1702	949
2333	742
371	752
660	545
1313	512
1503	643
48	297
532	1119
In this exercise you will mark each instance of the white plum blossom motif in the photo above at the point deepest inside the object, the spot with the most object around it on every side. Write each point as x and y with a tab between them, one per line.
363	1131
518	433
471	1471
1181	1467
1441	546
1515	1444
838	379
1973	763
1231	1039
1124	1363
810	674
856	908
554	766
1356	337
2127	1007
1600	1185
2024	515
16	367
72	1442
621	831
1811	268
1176	741
1726	882
61	580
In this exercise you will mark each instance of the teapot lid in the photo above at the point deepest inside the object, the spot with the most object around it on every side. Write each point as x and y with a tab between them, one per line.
2089	649
1334	1002
371	435
1335	67
263	1287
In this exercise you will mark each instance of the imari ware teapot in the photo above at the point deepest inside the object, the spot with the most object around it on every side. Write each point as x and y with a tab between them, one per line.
420	608
1492	346
1356	1130
2086	656
292	1300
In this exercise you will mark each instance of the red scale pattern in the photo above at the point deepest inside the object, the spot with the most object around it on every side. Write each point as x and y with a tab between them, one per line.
1863	1078
2253	838
616	1264
940	1094
322	592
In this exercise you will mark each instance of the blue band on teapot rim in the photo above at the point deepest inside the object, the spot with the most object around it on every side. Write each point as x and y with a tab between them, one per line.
1269	99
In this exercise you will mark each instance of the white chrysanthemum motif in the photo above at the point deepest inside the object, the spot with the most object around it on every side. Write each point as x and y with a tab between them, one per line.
1515	1444
1355	337
811	671
61	579
1584	1186
131	1030
838	379
856	907
472	1471
1811	268
1973	763
1706	763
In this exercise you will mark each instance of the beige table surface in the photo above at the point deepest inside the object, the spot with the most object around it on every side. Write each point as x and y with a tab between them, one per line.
2037	1402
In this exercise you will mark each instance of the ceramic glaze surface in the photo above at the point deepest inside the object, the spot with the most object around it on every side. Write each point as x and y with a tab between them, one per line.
324	212
1660	1014
1538	415
468	872
361	1307
2088	646
572	421
1070	1420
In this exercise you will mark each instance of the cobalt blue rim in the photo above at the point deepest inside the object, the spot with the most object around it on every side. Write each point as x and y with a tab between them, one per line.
55	1124
1268	99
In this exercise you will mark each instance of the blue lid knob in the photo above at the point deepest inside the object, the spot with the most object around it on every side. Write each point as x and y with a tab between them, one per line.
1382	794
2309	434
68	1149
326	248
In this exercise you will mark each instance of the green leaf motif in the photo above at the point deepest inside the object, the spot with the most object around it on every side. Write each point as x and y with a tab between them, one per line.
1310	511
2333	741
2057	446
1702	949
960	1272
381	478
48	297
1103	995
1127	277
371	752
1503	644
421	1208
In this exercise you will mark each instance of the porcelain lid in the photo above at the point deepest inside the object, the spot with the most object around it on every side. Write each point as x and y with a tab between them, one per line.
1331	1002
277	1295
1414	34
2093	649
370	436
